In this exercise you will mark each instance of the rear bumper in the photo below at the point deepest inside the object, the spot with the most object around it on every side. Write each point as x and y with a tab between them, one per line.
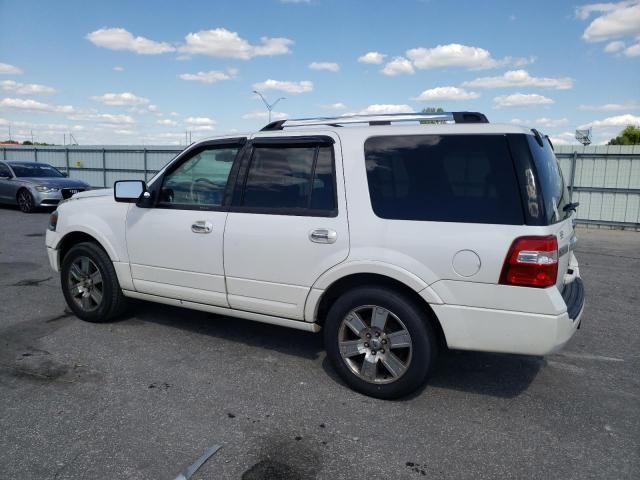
506	331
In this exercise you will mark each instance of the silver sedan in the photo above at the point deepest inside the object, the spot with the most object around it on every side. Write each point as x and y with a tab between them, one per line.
35	184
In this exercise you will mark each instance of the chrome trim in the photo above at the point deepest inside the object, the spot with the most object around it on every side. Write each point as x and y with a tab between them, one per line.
323	235
202	226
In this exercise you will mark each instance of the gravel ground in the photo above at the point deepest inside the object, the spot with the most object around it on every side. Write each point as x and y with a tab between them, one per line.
146	396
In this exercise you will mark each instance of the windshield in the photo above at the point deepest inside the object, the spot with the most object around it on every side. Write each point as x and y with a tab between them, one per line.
40	170
554	189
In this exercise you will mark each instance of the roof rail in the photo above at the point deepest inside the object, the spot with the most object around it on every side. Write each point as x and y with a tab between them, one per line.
381	119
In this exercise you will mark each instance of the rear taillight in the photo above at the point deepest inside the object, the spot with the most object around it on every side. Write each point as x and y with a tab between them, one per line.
531	262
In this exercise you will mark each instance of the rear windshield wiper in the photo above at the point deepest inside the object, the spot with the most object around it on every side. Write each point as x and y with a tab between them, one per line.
571	206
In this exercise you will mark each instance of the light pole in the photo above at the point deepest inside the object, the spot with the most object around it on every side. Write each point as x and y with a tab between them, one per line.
269	106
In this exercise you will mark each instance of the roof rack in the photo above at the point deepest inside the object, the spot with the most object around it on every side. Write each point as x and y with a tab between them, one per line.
381	119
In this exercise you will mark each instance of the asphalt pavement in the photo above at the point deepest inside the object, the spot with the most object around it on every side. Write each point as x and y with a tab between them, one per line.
144	397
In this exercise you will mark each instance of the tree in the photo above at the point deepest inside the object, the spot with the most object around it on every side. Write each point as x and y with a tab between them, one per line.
27	142
431	110
628	136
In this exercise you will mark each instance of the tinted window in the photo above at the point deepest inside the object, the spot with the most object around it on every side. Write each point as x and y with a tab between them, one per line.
38	170
446	178
550	180
4	171
289	178
200	181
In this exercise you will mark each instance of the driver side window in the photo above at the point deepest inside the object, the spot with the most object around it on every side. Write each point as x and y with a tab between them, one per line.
200	181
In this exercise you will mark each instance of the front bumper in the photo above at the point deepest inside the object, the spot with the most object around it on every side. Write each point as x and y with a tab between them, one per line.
51	241
46	199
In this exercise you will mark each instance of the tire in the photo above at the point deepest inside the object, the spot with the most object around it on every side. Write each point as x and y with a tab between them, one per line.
25	201
91	297
379	374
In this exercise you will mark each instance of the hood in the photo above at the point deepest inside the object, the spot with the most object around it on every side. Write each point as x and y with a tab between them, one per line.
62	182
101	192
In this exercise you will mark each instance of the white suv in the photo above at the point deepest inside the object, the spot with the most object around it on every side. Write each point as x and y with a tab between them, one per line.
397	235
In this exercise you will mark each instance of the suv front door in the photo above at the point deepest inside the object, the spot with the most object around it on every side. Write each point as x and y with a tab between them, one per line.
175	247
287	223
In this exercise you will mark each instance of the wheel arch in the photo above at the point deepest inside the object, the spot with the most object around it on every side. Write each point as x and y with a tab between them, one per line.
78	236
355	280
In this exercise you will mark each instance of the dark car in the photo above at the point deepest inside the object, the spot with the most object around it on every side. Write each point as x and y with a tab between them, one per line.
35	184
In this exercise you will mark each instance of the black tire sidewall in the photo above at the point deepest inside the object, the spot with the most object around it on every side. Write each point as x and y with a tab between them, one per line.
415	320
111	287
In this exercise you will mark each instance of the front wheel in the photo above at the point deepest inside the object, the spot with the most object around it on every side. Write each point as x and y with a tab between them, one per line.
90	285
380	342
25	201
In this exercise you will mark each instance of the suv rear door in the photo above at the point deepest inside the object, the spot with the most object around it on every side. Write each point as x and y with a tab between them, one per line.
287	223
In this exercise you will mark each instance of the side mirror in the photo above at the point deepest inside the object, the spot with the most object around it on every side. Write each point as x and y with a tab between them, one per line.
129	191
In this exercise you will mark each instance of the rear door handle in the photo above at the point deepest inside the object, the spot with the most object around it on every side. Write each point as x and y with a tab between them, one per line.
202	226
323	235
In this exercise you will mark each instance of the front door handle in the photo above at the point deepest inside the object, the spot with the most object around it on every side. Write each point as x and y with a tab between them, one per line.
202	226
323	235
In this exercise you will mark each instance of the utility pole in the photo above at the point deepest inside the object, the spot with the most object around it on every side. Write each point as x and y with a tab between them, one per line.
267	104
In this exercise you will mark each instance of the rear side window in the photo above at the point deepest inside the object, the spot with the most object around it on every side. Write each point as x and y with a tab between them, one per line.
550	180
291	179
443	178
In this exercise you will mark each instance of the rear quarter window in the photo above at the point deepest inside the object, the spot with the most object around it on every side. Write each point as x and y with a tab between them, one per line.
550	180
443	178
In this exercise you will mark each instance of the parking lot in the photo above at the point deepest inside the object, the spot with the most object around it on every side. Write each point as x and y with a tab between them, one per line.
145	396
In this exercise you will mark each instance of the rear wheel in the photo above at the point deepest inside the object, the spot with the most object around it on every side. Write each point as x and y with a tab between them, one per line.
380	342
25	201
90	285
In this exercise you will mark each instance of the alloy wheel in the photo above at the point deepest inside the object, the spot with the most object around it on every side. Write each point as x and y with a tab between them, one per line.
375	344
85	284
25	202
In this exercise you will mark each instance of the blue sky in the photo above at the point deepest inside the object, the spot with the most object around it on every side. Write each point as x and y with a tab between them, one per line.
144	72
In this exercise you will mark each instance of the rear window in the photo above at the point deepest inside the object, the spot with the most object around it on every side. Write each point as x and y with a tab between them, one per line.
443	178
550	180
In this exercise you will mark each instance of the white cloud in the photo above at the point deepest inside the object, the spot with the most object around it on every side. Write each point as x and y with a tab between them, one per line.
616	20
34	106
398	66
285	86
521	78
330	66
545	122
521	100
375	58
611	107
445	94
265	116
452	55
26	88
167	122
616	121
199	121
223	43
6	69
376	109
121	39
335	106
118	68
633	50
109	118
613	47
564	138
212	76
121	99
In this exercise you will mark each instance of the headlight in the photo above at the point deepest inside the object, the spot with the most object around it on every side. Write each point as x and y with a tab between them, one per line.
53	221
44	188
